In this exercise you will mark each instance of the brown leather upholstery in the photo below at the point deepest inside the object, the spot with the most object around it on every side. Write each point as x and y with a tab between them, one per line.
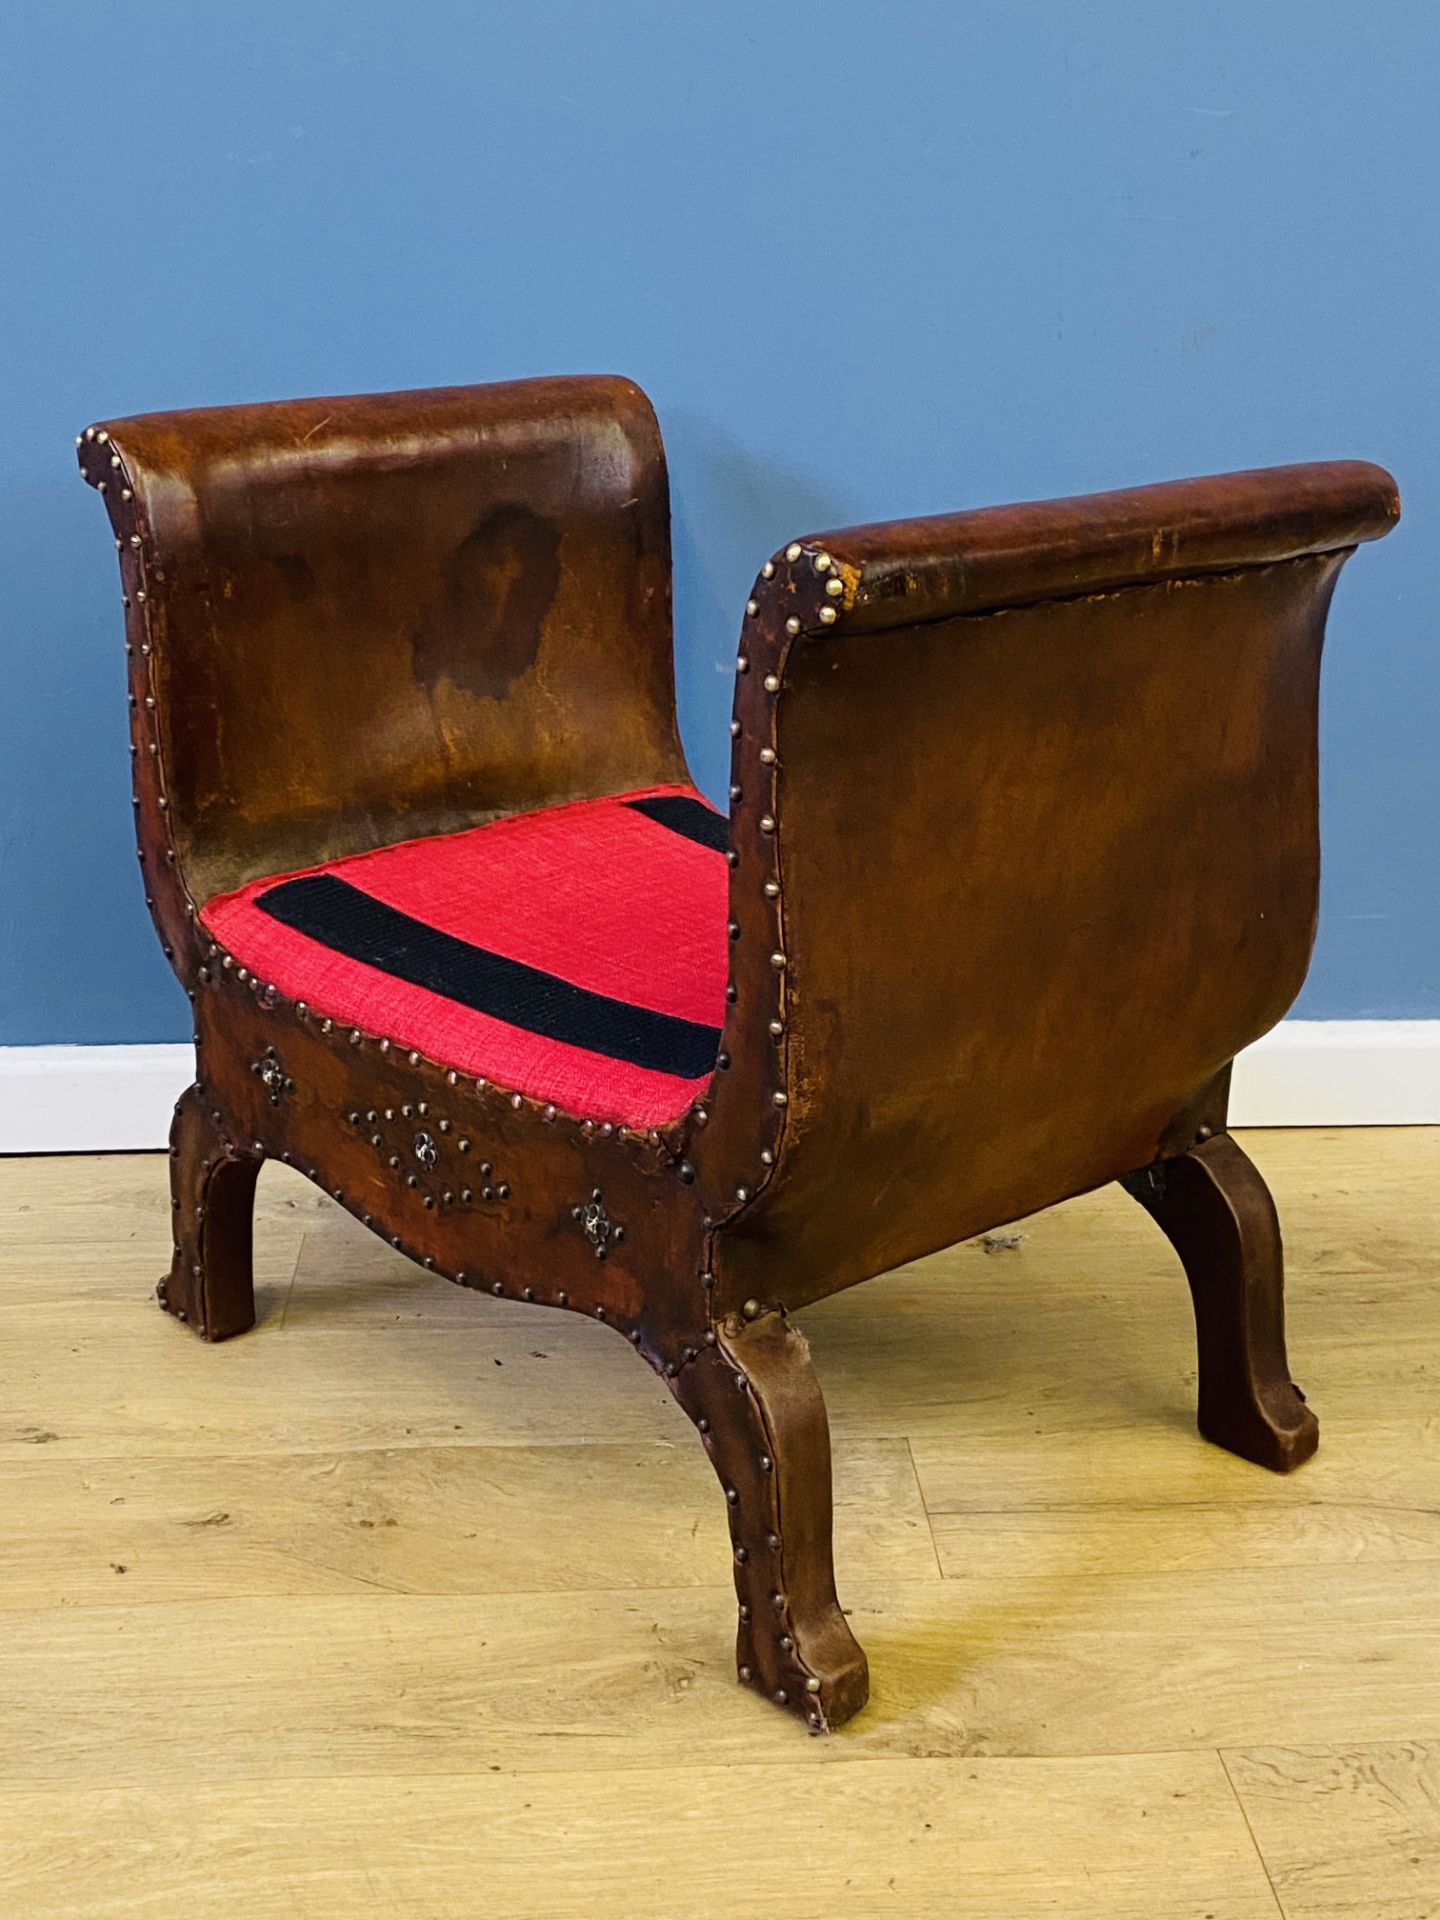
1023	848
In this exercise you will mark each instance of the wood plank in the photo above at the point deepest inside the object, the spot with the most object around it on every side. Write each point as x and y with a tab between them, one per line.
437	1520
1347	1835
391	1683
143	1386
1124	1839
1154	1497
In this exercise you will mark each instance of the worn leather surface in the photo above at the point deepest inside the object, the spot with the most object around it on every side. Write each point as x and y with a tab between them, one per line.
398	614
1035	874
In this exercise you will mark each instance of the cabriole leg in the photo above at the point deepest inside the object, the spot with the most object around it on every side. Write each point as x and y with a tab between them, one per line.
212	1186
757	1403
1218	1215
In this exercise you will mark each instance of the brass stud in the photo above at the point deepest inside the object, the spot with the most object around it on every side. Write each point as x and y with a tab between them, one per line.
751	1309
792	626
742	665
822	563
793	551
835	587
767	823
812	1685
777	961
752	607
742	1194
777	1027
828	616
778	1099
772	889
767	756
772	681
734	729
767	572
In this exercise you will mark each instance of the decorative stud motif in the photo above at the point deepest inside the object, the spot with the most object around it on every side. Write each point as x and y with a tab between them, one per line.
272	1076
409	1146
599	1229
793	551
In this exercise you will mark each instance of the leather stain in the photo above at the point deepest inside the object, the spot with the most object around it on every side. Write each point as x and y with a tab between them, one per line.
497	587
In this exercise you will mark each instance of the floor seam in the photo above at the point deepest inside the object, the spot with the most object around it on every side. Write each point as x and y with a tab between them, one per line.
924	1506
1245	1816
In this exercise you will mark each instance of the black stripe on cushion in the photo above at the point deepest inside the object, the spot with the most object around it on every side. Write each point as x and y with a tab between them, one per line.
328	909
683	815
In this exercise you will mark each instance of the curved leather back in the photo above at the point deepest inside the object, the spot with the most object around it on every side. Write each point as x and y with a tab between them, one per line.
383	616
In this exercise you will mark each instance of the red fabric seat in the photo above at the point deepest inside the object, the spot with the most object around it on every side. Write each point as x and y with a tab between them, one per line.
576	954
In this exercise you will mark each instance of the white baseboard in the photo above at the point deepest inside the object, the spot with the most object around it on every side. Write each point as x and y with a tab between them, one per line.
1340	1073
90	1099
1307	1073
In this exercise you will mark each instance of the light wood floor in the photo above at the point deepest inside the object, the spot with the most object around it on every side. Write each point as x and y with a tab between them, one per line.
415	1604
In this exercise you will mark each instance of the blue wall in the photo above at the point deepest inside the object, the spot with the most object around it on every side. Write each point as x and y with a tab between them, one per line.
867	259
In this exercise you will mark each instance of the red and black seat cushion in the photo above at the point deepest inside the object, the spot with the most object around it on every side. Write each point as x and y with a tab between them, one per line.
576	954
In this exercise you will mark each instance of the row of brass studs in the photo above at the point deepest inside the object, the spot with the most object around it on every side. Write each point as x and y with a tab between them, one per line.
770	826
